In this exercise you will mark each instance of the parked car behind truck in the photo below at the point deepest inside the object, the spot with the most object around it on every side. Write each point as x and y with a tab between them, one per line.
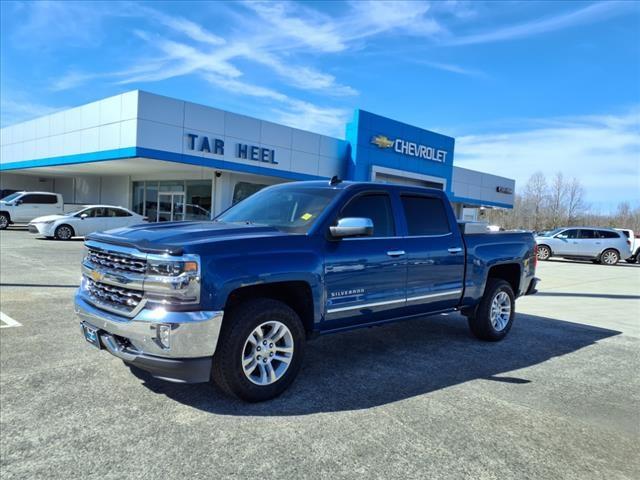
600	245
83	221
21	207
236	299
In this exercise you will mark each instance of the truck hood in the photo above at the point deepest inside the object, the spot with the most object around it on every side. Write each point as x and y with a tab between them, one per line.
172	237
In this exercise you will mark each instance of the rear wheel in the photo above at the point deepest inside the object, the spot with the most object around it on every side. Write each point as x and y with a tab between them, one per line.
609	257
64	232
260	350
4	221
494	316
544	252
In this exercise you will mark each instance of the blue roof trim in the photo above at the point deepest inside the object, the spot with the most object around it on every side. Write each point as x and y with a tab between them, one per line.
131	152
472	201
116	154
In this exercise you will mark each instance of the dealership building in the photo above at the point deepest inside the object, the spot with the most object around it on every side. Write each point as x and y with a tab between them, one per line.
172	160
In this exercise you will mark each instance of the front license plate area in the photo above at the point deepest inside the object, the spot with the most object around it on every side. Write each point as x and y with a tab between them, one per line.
91	335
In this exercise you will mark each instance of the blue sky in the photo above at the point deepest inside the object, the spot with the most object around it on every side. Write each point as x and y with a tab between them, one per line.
521	85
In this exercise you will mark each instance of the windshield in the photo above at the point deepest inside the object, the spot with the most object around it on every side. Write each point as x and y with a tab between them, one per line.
550	233
12	197
290	209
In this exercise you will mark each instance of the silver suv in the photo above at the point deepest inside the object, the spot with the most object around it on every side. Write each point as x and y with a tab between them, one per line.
601	245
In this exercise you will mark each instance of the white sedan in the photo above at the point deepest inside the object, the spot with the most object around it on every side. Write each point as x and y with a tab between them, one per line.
82	222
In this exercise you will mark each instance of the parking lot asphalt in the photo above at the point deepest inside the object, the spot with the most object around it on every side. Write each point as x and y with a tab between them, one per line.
559	398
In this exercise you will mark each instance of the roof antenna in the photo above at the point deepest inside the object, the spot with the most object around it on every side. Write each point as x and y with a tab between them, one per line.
334	180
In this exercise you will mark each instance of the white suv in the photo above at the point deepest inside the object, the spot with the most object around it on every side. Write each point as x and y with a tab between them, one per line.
601	245
21	207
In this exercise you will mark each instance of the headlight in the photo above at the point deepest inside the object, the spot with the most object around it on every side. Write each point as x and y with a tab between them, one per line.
48	222
173	282
171	268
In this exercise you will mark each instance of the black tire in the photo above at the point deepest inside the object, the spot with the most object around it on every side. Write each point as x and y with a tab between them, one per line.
64	232
480	323
544	252
609	257
4	221
227	371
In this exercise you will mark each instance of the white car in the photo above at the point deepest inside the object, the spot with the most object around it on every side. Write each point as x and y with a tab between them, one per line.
82	222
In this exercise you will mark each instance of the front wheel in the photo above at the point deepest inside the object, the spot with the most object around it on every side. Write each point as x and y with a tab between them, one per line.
609	257
259	351
4	221
494	316
64	232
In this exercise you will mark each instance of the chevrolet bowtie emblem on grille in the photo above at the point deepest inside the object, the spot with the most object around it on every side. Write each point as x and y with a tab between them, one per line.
382	142
96	276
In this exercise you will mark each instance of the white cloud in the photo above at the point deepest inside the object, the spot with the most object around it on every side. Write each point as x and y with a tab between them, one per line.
602	151
590	14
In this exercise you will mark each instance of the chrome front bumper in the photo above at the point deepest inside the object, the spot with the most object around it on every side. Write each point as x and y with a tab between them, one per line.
193	334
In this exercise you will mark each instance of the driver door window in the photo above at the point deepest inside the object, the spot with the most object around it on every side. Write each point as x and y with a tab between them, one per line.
377	207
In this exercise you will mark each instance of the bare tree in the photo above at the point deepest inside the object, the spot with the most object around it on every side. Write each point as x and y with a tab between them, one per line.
575	200
535	199
557	200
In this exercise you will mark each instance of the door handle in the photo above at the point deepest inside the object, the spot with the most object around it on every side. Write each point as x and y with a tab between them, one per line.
396	253
455	250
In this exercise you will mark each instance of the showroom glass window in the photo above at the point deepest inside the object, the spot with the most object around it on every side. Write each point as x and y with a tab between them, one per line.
243	190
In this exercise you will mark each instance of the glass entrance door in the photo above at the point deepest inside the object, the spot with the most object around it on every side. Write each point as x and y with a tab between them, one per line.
170	206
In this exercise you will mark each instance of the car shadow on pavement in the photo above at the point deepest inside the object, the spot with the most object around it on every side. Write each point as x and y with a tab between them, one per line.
371	367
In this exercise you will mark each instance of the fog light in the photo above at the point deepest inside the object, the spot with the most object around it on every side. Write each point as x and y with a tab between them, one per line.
164	335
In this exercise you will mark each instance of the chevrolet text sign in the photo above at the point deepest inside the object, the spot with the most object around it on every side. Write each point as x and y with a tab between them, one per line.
409	148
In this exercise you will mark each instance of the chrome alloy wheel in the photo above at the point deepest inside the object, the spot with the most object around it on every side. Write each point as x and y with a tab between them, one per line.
4	222
500	311
610	257
267	353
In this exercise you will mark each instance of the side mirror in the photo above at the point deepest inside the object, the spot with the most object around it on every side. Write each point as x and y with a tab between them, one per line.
83	216
352	227
17	202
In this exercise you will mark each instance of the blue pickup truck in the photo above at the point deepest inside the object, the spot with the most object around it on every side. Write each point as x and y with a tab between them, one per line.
234	300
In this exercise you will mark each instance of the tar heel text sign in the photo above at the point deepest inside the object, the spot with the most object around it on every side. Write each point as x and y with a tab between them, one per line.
410	148
215	146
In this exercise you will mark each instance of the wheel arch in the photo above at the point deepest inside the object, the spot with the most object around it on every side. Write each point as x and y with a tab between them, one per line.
297	294
509	272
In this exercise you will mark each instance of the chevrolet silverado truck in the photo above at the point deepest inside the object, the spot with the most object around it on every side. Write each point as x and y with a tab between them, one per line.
234	300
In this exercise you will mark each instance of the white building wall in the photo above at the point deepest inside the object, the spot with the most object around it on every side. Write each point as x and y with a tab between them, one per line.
107	124
481	186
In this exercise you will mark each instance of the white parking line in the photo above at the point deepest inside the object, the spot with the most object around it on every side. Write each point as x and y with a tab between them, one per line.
10	322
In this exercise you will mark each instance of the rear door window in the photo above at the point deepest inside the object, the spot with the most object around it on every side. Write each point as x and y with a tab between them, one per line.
425	215
377	207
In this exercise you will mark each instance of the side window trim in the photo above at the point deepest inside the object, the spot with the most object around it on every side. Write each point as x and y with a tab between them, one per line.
393	215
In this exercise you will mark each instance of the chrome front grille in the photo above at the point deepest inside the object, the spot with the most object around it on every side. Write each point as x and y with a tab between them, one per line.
116	261
121	299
